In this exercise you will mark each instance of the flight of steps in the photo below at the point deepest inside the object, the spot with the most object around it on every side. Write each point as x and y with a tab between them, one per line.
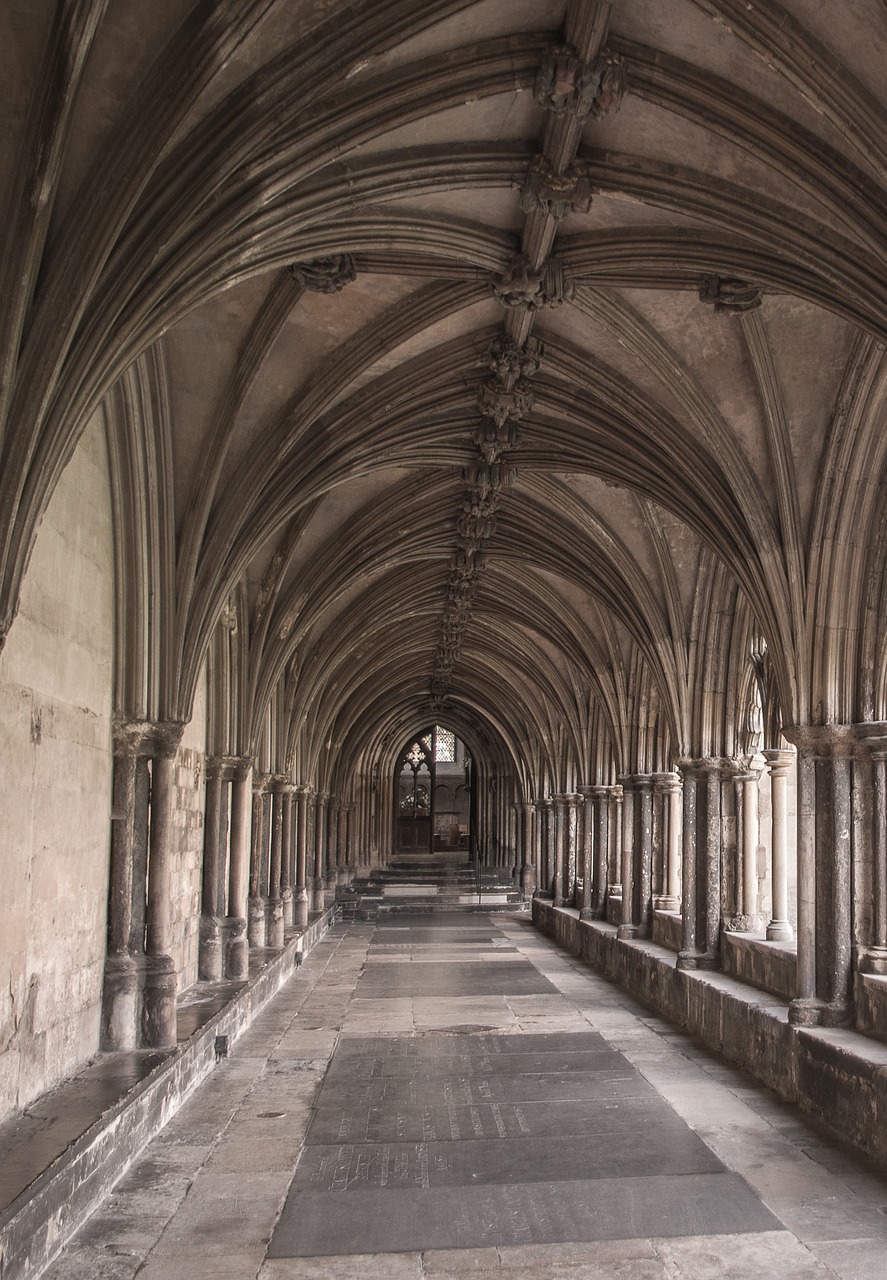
428	882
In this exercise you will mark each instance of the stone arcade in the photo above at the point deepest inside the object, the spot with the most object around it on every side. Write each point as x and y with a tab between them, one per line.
442	461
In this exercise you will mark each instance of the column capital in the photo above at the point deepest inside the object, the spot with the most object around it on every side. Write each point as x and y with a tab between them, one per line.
823	741
664	783
872	737
153	738
615	792
779	761
260	782
278	783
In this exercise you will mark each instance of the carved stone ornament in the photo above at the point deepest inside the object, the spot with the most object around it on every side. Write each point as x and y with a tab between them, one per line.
527	288
325	275
567	85
496	401
733	297
556	194
509	361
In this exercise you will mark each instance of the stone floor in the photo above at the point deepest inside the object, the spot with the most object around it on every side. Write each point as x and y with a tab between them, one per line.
452	1095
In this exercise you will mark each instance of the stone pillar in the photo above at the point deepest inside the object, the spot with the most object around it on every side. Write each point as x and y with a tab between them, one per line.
542	879
688	954
829	931
235	930
626	926
288	872
529	855
669	787
561	839
159	997
257	927
873	954
274	907
210	960
600	861
574	835
121	999
643	854
585	906
301	903
550	810
320	837
614	851
779	765
748	784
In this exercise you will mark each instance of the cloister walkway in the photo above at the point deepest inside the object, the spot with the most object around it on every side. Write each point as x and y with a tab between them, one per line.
452	1094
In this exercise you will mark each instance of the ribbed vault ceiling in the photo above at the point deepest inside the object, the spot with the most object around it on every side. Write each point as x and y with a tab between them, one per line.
397	548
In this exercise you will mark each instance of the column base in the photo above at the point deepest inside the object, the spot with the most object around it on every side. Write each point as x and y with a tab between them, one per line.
873	960
236	949
588	913
257	923
810	1011
209	960
300	908
696	960
159	1026
274	923
626	931
779	931
120	1003
527	882
665	902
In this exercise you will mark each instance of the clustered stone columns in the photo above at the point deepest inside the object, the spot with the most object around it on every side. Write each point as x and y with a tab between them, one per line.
701	889
824	873
587	848
139	1000
747	808
235	923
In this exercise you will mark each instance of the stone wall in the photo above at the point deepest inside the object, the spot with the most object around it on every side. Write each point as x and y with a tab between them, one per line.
56	676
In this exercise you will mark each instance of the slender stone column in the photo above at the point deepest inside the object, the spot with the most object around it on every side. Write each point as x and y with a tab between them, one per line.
301	903
829	933
669	787
708	869
626	928
561	836
688	955
542	880
288	869
320	847
159	1002
601	806
873	955
586	911
237	945
551	874
750	836
574	837
614	852
209	965
643	854
274	907
256	909
779	764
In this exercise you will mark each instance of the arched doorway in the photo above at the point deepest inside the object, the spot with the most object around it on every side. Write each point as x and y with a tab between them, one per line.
432	800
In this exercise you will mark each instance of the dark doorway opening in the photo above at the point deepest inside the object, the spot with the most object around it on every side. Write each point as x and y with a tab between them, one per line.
432	798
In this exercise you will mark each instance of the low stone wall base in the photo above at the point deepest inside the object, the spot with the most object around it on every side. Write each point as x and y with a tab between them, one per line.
37	1224
838	1076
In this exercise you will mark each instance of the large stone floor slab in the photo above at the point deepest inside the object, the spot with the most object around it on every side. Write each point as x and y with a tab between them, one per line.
446	1129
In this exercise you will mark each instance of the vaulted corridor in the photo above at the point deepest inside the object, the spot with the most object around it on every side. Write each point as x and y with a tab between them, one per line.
453	1095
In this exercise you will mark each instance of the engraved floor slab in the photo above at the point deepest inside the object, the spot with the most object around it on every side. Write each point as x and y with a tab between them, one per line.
373	1221
498	978
445	1141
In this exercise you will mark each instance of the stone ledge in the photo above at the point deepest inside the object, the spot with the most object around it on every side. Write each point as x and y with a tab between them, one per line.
839	1076
772	966
37	1224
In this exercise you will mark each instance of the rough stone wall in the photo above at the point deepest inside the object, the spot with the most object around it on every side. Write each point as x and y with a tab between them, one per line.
56	676
188	837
